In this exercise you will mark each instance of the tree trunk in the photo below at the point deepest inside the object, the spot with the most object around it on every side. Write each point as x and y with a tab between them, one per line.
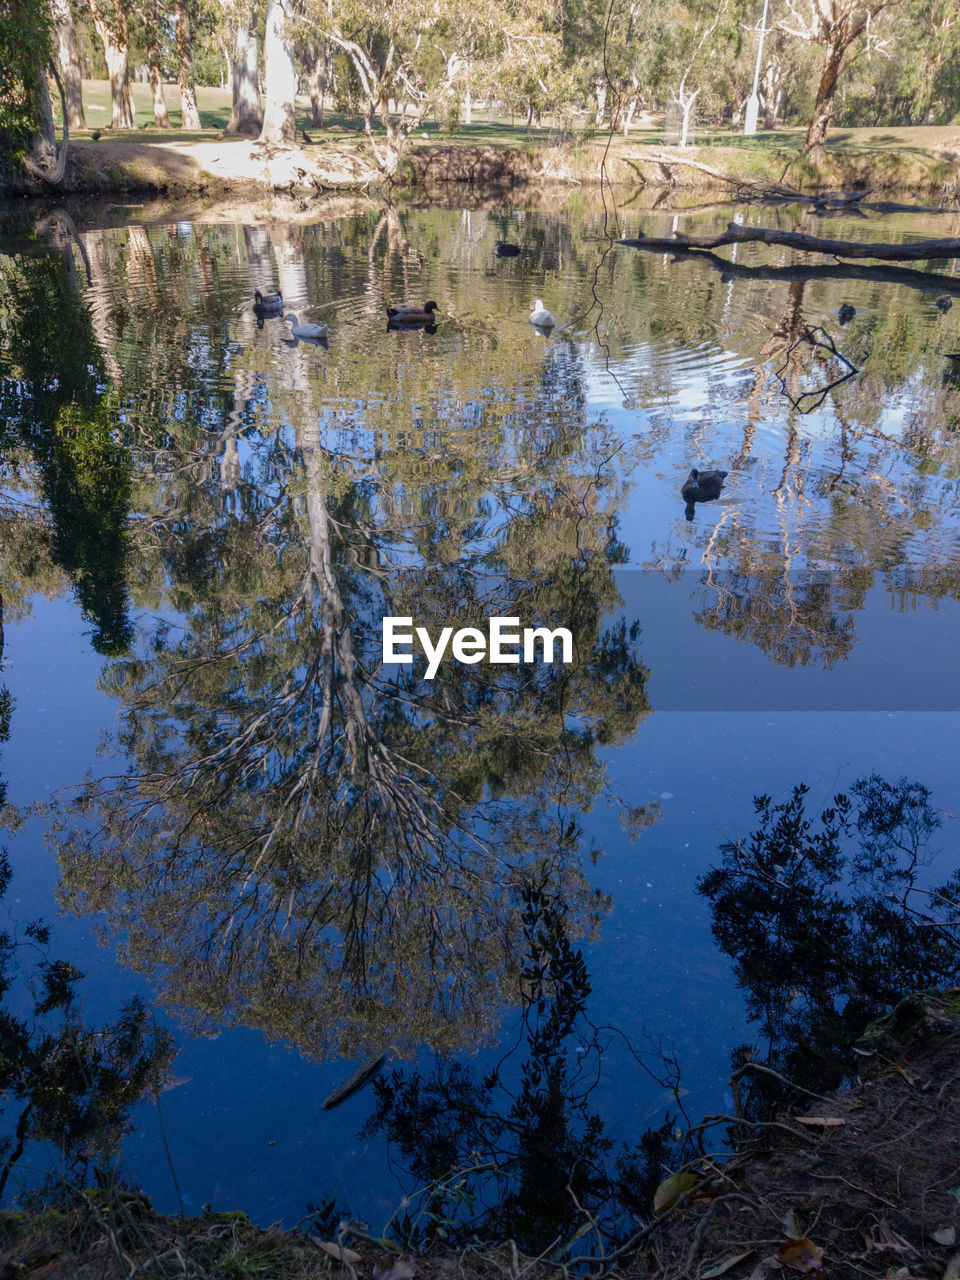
246	116
68	56
601	92
468	100
42	160
317	83
189	115
395	137
227	65
824	106
116	48
280	88
160	118
686	111
771	91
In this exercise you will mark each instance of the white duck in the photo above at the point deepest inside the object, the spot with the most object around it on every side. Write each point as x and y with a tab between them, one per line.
541	317
310	332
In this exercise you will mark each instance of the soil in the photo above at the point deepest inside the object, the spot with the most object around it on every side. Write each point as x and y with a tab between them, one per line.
871	1182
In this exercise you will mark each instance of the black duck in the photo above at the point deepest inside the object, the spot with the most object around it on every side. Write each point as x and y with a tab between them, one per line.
504	249
701	486
268	304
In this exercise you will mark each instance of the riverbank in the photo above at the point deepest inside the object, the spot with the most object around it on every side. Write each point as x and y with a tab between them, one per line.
499	154
179	167
860	1183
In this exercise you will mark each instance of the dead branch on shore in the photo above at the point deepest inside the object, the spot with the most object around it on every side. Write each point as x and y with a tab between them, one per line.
756	186
916	251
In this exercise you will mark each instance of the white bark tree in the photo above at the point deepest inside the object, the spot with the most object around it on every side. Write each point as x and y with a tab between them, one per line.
280	77
245	116
702	42
154	70
110	21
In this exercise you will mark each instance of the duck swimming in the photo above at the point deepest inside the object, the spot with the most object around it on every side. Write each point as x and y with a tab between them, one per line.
943	303
541	317
504	249
421	315
846	313
268	303
309	332
701	486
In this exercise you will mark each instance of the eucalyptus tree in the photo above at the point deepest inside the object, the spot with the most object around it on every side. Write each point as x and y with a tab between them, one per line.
189	115
153	47
414	57
68	57
843	28
280	77
110	18
245	115
26	118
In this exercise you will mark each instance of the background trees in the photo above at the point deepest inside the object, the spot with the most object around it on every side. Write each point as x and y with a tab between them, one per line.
824	61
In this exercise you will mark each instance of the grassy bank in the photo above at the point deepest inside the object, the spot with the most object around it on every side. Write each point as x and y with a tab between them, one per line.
921	161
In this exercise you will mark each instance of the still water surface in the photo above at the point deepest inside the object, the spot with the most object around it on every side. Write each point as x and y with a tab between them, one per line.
300	859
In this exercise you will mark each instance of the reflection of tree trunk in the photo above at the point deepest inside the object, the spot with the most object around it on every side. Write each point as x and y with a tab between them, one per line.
287	242
101	317
245	117
279	115
68	56
160	118
340	675
116	47
141	266
190	116
256	242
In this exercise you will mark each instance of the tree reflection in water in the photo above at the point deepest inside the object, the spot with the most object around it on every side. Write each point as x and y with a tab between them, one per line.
830	920
516	1152
312	844
829	925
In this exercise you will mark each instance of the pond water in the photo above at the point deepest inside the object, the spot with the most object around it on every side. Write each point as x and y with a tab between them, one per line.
301	858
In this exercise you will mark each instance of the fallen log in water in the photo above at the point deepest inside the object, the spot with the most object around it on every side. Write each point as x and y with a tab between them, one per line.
915	251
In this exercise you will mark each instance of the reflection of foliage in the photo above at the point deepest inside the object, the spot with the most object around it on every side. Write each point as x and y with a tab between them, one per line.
794	619
525	1159
821	917
73	1086
54	409
306	841
6	708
